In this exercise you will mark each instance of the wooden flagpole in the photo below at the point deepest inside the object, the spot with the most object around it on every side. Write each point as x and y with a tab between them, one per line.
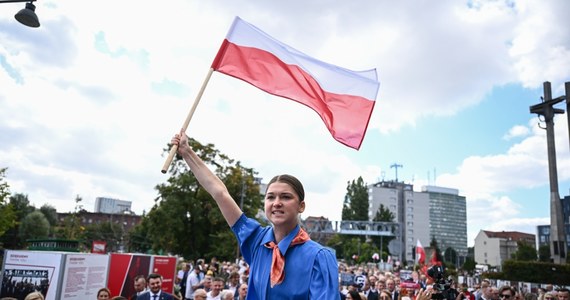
174	148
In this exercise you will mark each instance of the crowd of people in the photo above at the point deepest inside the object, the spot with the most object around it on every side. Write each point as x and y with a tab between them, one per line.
228	281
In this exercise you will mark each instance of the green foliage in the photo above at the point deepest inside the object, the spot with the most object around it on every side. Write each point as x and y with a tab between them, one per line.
4	187
20	207
72	224
450	256
34	226
111	233
436	251
355	207
525	252
185	220
544	253
526	271
50	213
469	265
139	238
352	247
383	215
8	219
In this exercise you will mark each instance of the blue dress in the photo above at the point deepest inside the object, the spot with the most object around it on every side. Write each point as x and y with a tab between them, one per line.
311	270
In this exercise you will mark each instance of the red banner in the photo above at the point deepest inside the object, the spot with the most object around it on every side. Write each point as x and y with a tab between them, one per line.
123	269
165	266
99	247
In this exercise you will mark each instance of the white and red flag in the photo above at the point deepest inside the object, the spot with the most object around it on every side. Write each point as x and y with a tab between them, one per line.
344	99
420	254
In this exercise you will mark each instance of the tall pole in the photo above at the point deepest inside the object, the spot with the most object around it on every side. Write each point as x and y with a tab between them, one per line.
567	89
557	237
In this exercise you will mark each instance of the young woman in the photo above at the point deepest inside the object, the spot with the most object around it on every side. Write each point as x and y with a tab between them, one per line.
284	262
103	294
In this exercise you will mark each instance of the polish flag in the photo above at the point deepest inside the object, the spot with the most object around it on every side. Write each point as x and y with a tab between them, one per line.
344	99
420	254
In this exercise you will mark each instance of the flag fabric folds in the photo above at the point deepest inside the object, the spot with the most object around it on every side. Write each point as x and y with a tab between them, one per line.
344	99
420	254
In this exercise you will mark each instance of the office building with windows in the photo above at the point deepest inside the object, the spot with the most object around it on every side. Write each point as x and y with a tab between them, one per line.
434	213
448	222
543	231
112	206
410	210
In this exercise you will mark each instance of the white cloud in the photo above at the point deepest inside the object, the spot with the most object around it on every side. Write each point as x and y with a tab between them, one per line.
516	131
81	112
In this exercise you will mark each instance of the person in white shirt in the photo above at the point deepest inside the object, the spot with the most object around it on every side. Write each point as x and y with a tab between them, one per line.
217	286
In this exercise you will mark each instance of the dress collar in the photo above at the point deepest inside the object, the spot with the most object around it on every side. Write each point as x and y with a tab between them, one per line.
285	243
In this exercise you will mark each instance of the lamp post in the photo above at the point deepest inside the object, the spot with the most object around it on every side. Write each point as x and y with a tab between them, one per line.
27	15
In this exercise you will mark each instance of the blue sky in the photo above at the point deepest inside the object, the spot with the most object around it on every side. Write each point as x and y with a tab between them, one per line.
89	100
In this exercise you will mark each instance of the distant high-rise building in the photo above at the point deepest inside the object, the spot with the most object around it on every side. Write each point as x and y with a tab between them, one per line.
543	231
111	206
410	209
435	212
448	220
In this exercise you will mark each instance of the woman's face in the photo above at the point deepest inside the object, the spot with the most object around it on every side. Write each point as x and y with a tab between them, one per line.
282	205
103	295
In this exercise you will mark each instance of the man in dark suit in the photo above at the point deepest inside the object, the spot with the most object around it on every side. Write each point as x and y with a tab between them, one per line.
391	285
155	289
140	287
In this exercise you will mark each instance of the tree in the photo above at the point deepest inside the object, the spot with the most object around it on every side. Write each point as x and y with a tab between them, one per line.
50	213
383	215
21	208
355	207
72	224
544	253
109	232
185	220
34	226
525	252
450	256
469	266
436	254
8	219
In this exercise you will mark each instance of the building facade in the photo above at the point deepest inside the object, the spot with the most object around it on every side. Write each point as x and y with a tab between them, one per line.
410	210
434	213
111	206
543	231
448	220
493	248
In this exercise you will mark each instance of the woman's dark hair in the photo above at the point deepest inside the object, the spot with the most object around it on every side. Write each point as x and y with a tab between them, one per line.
292	181
103	290
354	295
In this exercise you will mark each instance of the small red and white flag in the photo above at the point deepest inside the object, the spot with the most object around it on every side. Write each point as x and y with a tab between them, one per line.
420	254
344	99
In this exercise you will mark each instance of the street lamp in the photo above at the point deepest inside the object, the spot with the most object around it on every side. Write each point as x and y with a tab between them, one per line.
27	15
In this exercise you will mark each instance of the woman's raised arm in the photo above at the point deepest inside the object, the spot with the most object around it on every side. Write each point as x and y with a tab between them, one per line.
209	181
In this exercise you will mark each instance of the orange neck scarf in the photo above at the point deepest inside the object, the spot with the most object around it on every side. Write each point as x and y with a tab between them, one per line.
278	261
